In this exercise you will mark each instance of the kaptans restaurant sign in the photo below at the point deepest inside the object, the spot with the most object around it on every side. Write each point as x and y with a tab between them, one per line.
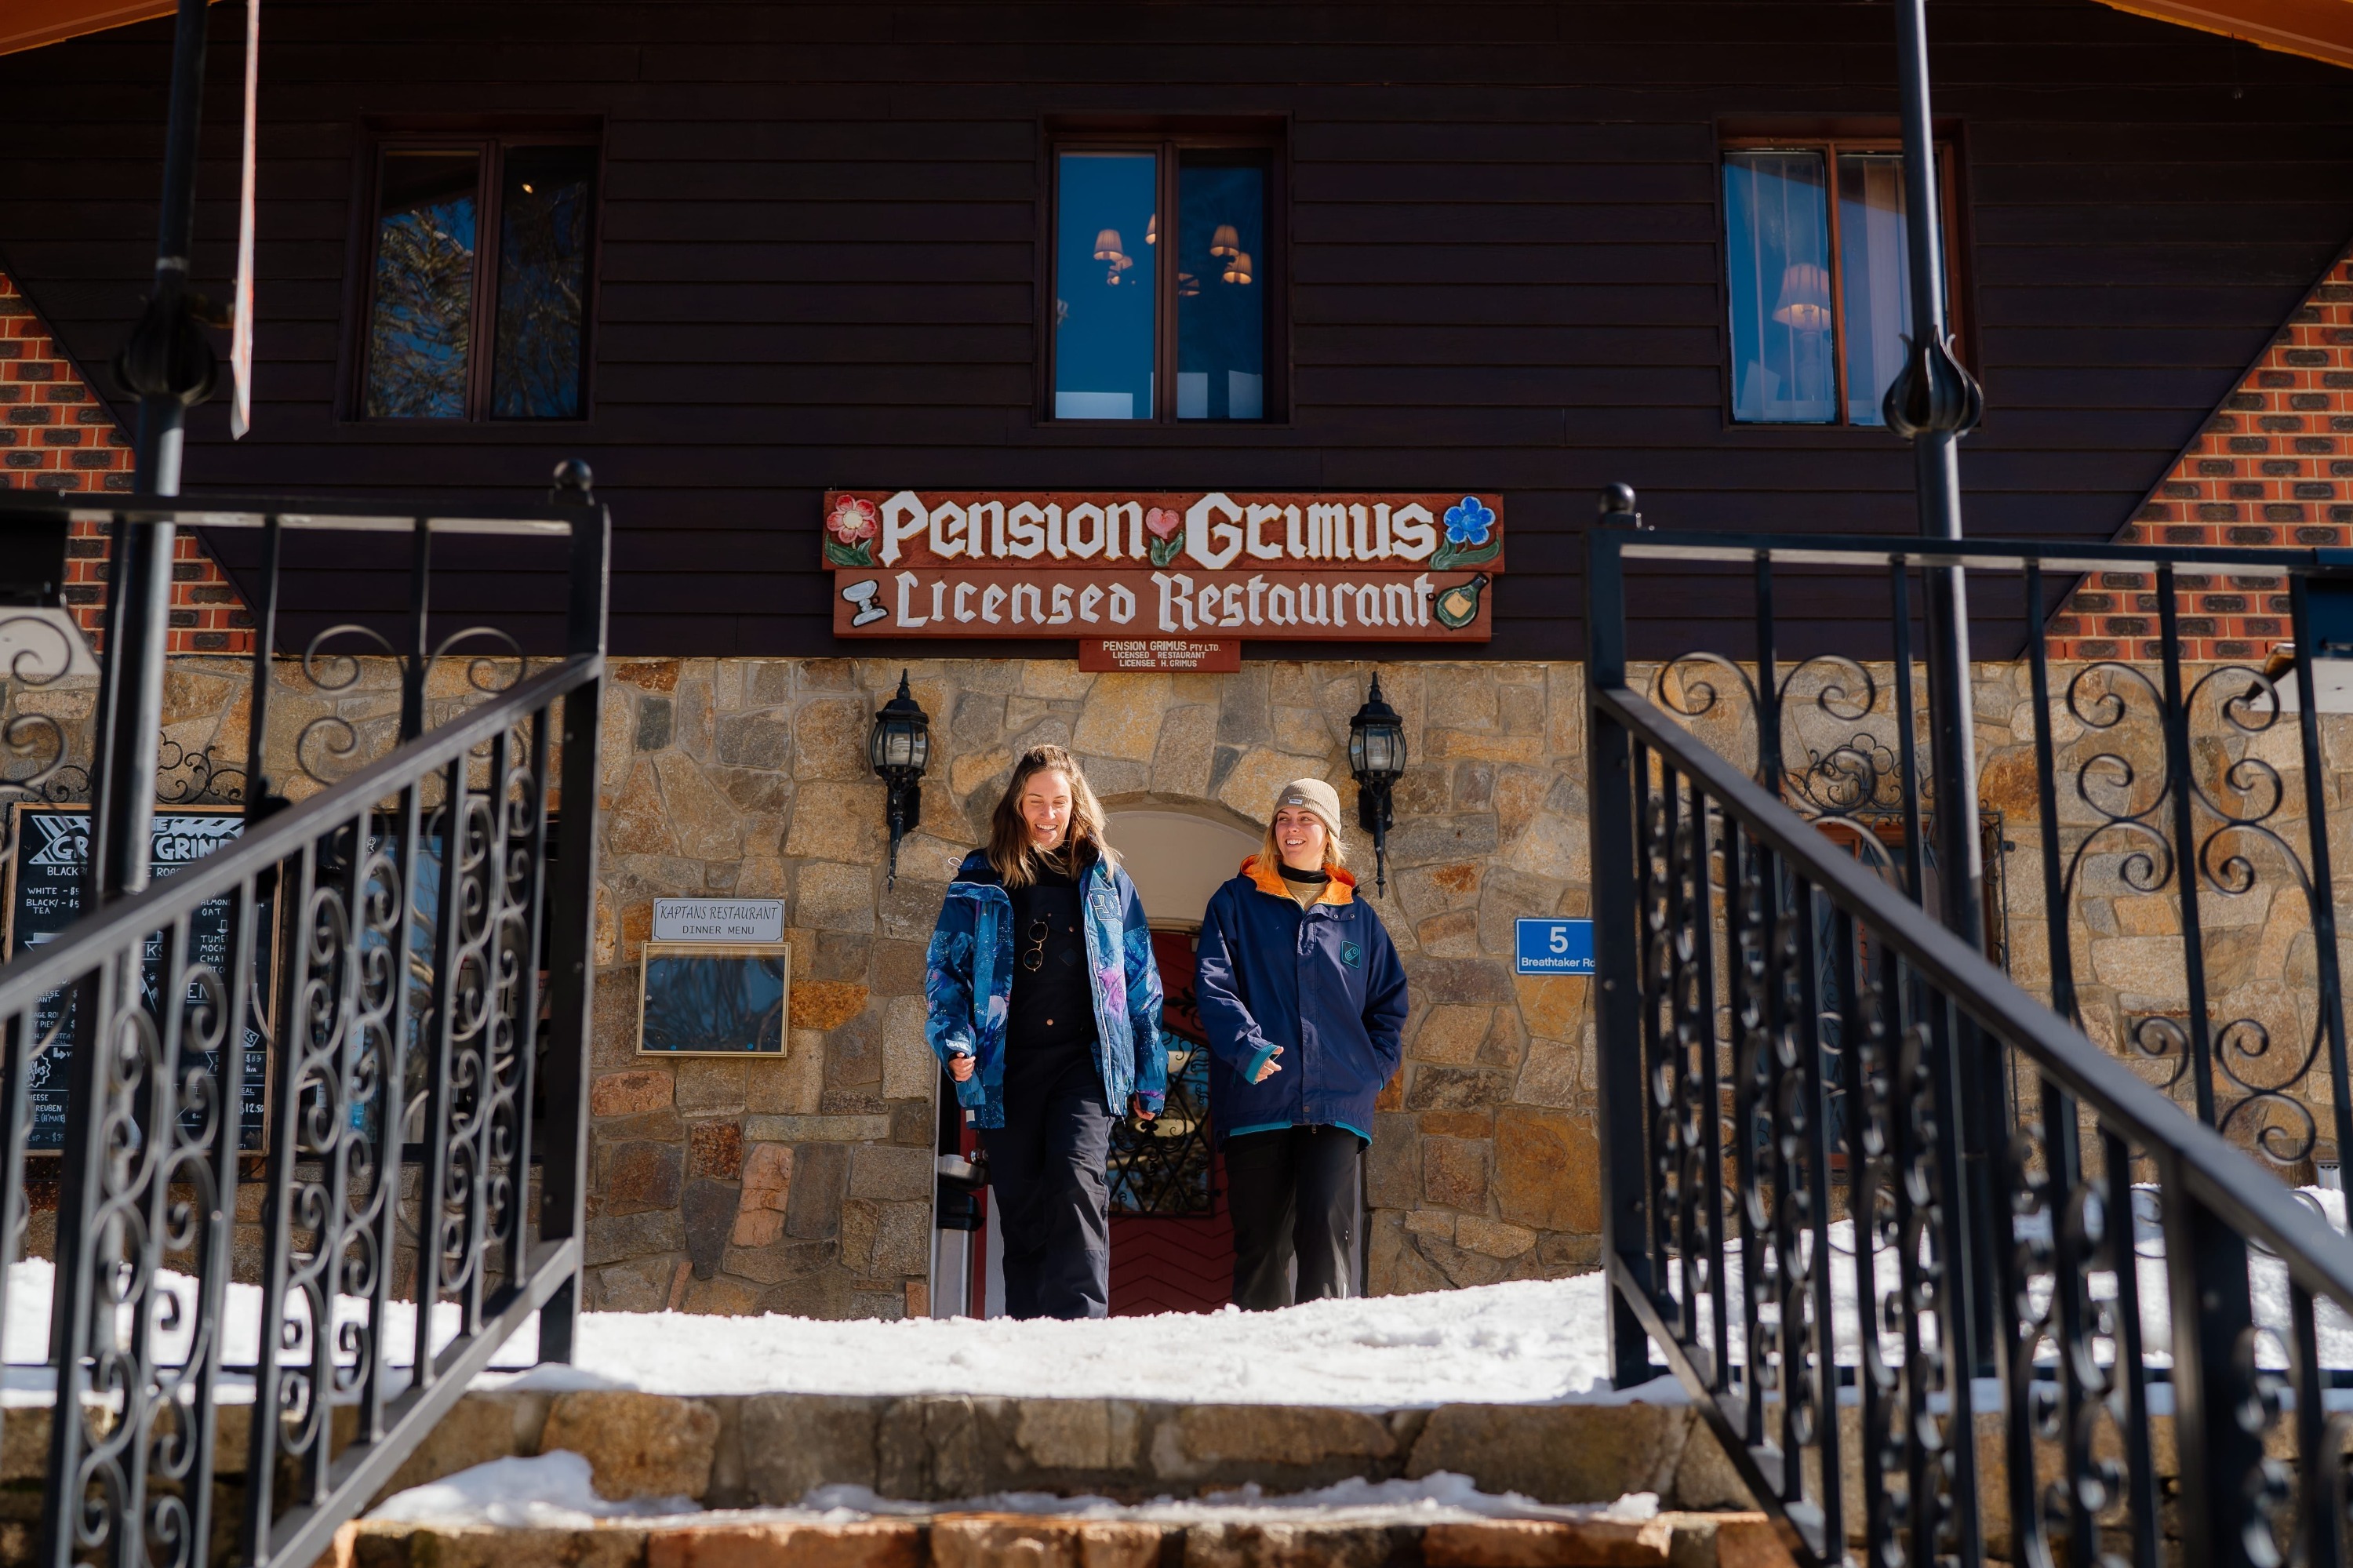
1353	568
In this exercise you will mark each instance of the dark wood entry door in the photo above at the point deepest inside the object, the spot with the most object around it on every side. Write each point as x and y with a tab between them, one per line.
1172	1244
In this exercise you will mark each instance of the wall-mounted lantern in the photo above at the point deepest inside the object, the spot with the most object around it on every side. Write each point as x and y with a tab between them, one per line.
899	746
1377	756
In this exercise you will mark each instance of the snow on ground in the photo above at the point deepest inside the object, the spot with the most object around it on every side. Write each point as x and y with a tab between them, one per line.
553	1492
1530	1342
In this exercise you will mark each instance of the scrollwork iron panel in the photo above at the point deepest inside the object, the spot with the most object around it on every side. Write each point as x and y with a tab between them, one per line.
411	901
2137	1259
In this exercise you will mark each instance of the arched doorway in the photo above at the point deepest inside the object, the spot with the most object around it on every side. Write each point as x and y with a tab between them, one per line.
1172	1247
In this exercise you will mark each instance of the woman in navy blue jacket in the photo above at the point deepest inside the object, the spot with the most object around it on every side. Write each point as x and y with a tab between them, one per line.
1303	1001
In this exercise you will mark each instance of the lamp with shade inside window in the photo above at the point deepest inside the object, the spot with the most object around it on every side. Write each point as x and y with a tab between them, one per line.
1108	249
1238	269
1805	302
1224	241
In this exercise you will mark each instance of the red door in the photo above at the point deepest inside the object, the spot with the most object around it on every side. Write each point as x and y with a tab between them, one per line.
1172	1244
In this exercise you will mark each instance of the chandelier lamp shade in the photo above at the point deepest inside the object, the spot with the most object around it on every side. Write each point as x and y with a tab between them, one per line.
899	747
1377	755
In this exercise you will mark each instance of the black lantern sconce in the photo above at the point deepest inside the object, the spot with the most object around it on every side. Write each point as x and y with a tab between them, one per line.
899	746
1377	756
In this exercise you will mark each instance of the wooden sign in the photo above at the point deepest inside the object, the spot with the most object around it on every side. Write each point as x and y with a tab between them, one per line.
1182	655
712	999
45	894
1130	565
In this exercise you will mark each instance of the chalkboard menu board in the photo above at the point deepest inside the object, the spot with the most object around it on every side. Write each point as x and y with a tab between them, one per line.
712	999
43	897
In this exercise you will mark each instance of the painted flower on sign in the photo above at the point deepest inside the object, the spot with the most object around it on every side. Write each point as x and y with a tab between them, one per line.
1166	526
1471	535
852	524
1467	523
854	520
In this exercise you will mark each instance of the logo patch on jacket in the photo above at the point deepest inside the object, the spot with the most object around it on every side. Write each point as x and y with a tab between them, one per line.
1352	955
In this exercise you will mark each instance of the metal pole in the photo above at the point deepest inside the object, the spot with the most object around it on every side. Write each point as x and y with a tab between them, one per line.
1932	403
1616	792
168	363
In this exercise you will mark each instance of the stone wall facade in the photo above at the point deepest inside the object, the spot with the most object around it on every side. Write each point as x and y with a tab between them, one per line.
802	1184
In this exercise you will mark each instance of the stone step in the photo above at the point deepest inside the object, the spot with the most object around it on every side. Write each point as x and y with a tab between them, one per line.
952	1540
771	1450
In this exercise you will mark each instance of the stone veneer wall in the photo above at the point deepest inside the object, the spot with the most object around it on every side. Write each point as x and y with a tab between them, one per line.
802	1184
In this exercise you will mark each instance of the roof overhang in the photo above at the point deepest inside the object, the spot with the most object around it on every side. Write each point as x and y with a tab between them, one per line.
2317	29
29	24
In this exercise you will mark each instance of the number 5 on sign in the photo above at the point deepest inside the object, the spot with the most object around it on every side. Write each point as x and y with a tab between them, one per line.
1555	946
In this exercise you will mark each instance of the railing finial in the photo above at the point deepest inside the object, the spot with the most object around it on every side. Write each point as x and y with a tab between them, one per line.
1618	506
574	482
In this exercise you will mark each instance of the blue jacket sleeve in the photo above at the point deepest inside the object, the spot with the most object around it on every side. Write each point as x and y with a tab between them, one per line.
1144	999
947	994
1235	1037
1385	999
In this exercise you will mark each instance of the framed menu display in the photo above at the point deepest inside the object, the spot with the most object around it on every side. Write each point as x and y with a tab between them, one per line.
714	999
43	897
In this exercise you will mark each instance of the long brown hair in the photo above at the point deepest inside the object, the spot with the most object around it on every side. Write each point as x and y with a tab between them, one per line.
1011	849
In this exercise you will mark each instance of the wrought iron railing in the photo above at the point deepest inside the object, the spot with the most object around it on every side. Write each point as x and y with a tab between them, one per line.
1790	1046
410	944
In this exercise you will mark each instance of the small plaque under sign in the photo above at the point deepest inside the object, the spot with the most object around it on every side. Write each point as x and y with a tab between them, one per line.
719	920
1189	655
1549	946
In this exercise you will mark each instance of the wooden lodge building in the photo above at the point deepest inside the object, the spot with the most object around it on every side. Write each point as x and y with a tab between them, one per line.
1025	347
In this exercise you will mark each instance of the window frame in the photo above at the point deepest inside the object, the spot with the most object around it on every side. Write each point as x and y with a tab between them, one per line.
1830	144
1273	269
491	145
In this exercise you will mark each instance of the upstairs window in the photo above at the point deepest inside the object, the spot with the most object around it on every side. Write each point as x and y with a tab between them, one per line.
1164	281
479	281
1818	278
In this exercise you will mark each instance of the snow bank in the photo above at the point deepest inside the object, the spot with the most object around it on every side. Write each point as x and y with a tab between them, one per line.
1529	1342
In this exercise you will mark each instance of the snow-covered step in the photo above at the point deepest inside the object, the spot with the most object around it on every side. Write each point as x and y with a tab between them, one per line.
545	1513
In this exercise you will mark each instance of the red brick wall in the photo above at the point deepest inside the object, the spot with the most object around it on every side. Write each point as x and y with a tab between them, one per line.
56	434
2274	466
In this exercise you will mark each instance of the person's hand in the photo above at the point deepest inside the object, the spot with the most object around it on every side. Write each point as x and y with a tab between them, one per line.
1141	1112
1270	1068
960	1068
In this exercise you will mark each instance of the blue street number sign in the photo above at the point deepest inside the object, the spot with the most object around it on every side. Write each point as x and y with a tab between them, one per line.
1556	947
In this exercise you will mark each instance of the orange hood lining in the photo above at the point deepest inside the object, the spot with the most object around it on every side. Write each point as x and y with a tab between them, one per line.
1341	889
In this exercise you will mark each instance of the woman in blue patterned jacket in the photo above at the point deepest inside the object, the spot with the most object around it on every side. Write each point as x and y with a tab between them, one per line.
1044	1006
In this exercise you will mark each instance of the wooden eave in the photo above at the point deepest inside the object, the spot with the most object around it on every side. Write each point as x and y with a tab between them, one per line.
2317	29
29	24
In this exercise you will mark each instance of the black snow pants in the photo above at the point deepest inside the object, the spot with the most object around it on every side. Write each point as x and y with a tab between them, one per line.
1046	1165
1292	1192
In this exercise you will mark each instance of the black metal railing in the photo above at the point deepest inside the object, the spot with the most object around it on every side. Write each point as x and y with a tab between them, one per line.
2188	801
1793	1057
409	946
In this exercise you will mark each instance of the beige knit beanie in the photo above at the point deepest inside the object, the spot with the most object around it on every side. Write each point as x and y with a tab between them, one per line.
1313	795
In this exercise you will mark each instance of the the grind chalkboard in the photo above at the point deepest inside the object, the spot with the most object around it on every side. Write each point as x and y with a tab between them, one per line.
43	897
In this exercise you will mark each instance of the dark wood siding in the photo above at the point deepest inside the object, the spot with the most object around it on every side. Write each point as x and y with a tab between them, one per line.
820	243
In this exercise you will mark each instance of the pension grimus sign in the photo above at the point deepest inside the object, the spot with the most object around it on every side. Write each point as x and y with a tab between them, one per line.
1353	567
